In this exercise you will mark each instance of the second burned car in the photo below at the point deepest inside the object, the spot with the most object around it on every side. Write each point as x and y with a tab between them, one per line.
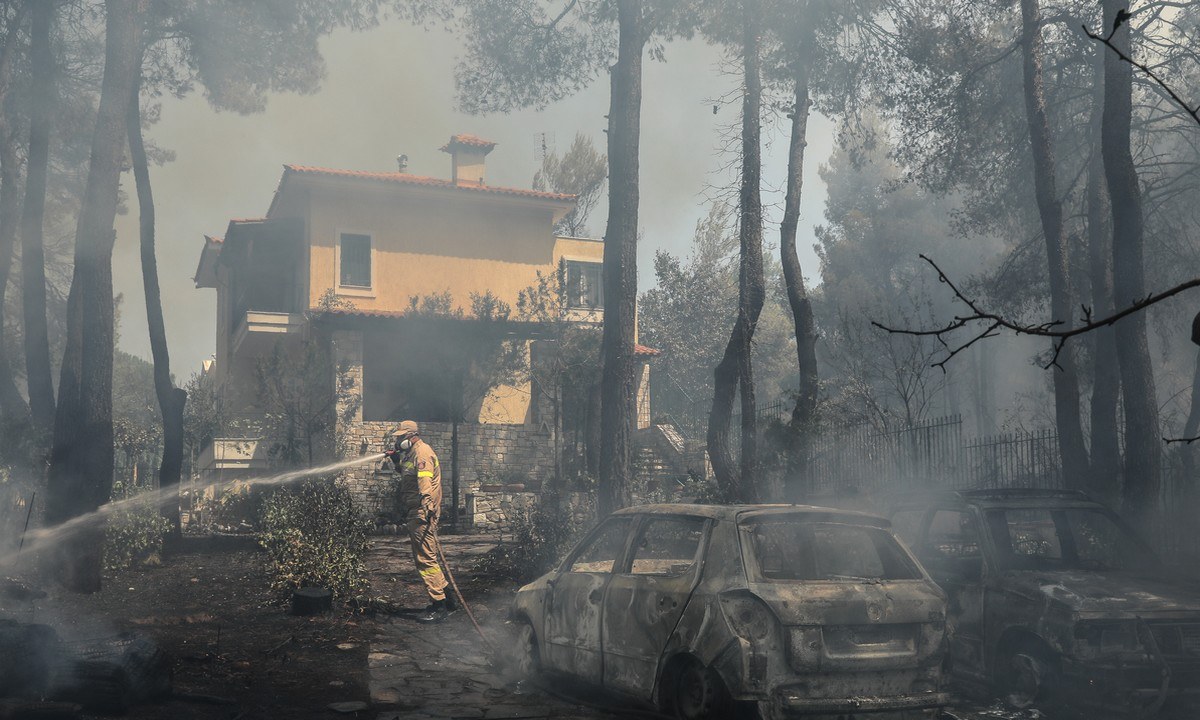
703	610
1054	600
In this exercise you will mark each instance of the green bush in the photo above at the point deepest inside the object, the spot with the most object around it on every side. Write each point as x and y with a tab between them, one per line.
315	537
135	531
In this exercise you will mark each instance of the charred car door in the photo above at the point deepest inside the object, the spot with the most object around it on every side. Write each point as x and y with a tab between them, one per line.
951	552
646	598
575	600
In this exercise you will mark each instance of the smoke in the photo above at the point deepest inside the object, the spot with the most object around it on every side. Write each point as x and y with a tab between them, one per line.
44	538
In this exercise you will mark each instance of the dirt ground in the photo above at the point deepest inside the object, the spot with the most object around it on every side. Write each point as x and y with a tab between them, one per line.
210	608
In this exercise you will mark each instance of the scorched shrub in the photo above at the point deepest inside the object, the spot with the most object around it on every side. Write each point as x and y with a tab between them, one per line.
135	531
315	537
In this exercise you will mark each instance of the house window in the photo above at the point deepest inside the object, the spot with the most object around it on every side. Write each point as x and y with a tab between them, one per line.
355	260
584	289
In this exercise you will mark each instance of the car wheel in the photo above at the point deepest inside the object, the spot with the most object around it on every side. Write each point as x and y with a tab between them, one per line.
526	659
699	693
1027	676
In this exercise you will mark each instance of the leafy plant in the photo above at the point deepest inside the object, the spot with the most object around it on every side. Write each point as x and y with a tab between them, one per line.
135	531
315	537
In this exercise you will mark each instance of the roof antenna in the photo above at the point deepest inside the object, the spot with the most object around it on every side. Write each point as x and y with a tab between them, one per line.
402	162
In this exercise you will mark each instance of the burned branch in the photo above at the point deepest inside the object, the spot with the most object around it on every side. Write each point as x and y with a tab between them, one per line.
995	322
1193	111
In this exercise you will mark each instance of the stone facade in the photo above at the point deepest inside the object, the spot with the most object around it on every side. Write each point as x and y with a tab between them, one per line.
488	455
497	510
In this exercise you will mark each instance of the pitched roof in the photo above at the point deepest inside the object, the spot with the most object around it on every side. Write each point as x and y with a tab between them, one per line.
641	351
407	179
473	141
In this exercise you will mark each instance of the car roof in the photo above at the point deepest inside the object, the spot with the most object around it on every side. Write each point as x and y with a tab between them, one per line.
733	512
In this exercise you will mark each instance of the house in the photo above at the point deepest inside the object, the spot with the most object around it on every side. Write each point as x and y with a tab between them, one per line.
338	259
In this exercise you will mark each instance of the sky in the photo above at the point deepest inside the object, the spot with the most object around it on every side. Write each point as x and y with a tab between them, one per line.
390	90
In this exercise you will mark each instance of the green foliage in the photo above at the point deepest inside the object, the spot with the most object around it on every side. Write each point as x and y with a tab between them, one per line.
876	225
315	537
581	172
201	418
688	317
135	531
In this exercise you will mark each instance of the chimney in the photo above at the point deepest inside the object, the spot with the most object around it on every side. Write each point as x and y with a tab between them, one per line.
466	158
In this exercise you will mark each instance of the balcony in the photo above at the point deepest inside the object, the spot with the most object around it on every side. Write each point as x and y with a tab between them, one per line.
257	330
226	456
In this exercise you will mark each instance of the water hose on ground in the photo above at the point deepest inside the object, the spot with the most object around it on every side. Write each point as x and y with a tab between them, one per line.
437	543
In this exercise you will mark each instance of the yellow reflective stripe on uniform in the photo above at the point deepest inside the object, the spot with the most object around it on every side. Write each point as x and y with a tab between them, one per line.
425	473
431	571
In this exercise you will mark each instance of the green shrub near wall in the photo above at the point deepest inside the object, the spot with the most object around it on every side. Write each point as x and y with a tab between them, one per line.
315	537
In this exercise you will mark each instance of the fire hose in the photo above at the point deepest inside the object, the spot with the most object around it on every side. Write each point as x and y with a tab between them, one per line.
437	544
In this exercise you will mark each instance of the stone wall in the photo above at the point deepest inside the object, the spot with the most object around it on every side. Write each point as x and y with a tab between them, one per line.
496	509
487	455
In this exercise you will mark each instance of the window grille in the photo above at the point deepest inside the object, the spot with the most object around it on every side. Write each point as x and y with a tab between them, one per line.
584	288
355	260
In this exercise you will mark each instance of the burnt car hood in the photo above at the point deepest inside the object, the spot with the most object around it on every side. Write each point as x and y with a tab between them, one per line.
1106	592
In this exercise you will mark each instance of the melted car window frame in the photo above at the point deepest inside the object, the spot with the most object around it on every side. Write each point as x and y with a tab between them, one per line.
999	527
882	538
640	537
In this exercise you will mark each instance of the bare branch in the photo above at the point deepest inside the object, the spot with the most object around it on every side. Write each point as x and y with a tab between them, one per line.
995	322
1193	111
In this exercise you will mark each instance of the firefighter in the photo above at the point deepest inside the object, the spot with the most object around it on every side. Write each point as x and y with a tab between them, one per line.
421	496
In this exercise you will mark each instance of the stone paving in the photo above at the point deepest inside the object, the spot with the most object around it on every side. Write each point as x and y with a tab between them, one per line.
444	671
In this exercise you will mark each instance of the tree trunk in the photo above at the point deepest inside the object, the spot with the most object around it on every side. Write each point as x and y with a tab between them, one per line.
617	381
1187	451
591	431
456	405
1071	445
33	263
1143	443
801	427
741	486
1106	377
12	405
81	463
171	400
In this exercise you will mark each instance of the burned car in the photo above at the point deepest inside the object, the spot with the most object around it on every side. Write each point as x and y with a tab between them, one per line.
1055	600
703	610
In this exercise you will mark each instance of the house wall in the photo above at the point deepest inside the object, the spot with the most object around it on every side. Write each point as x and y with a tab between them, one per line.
425	242
488	454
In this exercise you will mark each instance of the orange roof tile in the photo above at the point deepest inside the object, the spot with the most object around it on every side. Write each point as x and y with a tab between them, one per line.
469	141
407	179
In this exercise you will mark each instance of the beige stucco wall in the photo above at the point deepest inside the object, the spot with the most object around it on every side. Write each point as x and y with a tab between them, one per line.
429	241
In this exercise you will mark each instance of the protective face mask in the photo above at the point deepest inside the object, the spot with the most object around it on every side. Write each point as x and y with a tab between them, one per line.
404	444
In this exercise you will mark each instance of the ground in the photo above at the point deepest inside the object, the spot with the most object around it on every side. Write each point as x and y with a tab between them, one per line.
239	655
210	607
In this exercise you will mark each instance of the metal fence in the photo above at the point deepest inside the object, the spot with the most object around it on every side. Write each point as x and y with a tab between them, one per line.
861	457
1018	459
929	455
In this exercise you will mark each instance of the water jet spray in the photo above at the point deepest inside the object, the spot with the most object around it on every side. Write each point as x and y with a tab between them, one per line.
44	537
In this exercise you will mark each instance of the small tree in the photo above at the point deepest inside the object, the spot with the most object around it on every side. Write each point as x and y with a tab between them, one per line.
580	172
565	372
300	404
